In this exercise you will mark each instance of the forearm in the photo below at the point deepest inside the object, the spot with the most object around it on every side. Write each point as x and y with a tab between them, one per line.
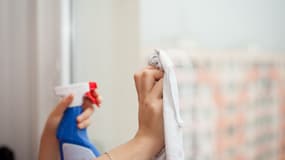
139	148
49	149
150	137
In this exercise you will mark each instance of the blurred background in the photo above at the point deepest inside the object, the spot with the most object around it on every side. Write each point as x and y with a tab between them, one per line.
229	59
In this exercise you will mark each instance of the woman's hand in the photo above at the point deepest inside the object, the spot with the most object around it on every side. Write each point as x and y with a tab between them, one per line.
149	83
82	120
49	144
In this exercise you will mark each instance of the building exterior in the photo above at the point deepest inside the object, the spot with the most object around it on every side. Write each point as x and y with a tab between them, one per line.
233	104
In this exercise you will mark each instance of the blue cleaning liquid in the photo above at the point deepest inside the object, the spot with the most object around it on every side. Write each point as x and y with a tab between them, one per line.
74	142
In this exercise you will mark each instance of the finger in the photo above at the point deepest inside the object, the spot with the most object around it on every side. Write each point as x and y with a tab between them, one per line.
85	114
99	100
87	102
156	76
150	67
63	104
95	93
84	124
150	76
157	89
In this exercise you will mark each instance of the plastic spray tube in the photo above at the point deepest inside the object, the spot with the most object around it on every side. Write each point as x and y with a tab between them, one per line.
74	143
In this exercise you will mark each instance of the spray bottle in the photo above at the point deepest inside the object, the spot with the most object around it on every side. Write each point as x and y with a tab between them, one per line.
74	142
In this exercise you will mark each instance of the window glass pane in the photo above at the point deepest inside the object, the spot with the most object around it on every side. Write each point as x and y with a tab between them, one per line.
229	61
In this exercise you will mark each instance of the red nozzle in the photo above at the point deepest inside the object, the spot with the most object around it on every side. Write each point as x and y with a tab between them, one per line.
92	85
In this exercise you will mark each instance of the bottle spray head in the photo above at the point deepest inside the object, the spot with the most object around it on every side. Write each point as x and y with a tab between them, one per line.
79	91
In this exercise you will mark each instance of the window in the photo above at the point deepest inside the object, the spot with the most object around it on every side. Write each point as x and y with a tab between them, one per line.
229	58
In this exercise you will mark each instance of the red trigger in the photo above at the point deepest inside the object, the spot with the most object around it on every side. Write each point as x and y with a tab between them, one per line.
89	95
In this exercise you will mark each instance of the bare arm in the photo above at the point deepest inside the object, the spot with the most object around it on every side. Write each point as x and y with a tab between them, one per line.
139	148
49	145
149	139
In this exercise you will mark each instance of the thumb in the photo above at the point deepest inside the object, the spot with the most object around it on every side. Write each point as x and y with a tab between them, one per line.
63	104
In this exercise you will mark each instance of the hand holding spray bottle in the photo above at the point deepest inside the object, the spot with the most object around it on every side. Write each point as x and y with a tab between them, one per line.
74	142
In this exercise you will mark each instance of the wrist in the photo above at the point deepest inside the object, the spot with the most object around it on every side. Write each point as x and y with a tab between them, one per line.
151	145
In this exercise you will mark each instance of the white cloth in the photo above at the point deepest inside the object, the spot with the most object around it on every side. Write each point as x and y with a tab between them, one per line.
171	115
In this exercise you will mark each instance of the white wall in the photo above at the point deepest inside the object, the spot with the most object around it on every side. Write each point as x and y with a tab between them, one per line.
29	69
17	69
